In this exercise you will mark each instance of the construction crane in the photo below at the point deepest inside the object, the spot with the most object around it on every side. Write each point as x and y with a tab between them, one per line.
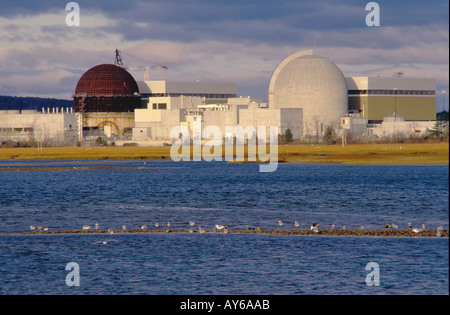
146	69
118	60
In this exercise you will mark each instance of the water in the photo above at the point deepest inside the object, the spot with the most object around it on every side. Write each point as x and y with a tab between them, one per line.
234	195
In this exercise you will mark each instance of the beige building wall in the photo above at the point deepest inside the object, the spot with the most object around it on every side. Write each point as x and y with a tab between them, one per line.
156	128
120	124
29	125
284	118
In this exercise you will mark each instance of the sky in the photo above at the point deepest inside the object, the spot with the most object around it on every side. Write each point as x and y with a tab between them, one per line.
239	41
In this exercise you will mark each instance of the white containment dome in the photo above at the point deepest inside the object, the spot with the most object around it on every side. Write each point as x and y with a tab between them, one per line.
314	84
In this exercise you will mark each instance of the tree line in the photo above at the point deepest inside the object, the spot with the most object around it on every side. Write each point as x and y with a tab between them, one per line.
30	103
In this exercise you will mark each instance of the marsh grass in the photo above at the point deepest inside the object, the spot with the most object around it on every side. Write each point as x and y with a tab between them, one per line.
418	153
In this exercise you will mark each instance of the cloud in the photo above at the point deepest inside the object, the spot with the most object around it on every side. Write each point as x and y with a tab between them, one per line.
233	40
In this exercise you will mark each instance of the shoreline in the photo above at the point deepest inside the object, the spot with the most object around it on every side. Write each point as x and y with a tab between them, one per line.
354	154
323	232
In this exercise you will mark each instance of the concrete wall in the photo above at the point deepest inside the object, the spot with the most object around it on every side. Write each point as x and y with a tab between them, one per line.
159	128
30	126
186	102
401	129
188	87
142	134
121	124
357	126
284	118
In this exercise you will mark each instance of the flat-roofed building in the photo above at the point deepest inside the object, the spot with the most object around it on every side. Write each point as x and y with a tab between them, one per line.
211	91
57	126
378	97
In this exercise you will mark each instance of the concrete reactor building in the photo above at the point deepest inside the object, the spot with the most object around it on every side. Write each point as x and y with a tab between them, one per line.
313	84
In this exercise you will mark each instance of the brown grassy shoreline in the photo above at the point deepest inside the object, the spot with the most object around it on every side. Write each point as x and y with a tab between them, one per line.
325	232
423	153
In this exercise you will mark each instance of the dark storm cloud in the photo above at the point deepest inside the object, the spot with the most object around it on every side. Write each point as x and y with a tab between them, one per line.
278	22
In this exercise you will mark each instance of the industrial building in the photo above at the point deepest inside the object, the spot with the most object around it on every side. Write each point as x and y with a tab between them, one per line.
49	127
378	97
105	98
306	94
313	84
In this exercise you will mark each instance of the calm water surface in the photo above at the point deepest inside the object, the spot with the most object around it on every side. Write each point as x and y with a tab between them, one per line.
234	195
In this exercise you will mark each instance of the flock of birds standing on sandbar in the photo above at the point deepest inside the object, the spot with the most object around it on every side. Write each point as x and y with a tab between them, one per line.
224	229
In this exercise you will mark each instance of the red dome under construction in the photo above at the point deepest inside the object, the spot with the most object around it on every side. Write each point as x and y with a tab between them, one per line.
106	88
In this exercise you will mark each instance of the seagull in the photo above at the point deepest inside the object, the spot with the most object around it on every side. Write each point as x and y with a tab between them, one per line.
124	227
423	226
387	226
156	224
200	229
168	224
40	228
104	242
86	227
417	230
143	227
409	225
32	227
221	227
333	226
438	231
110	231
296	224
394	226
96	226
361	227
191	223
280	223
344	227
314	225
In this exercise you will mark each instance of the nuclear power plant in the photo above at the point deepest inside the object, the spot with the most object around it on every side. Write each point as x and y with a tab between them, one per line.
306	94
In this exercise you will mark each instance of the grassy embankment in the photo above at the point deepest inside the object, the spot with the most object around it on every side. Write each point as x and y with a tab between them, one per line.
426	153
